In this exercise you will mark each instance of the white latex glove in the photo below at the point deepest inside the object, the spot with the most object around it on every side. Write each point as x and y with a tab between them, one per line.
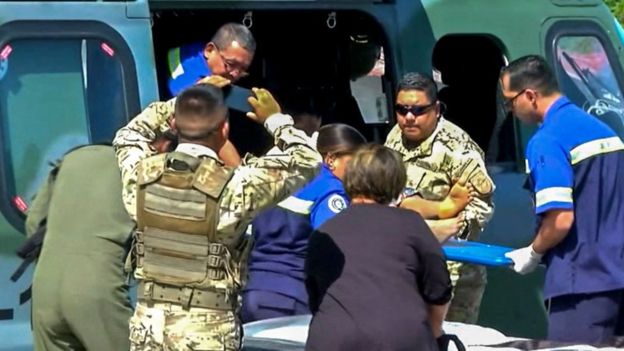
525	259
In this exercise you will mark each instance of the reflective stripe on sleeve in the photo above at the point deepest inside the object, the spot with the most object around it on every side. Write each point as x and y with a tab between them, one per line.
595	147
297	205
554	194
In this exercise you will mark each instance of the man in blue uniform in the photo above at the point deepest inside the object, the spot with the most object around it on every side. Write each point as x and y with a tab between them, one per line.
228	54
576	171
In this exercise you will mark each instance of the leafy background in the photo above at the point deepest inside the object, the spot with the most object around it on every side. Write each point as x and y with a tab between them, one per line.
617	6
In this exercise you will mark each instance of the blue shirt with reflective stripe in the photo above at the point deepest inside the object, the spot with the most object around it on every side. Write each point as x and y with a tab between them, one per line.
281	235
187	65
576	162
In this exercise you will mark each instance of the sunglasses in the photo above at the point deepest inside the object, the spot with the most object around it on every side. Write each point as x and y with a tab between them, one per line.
414	109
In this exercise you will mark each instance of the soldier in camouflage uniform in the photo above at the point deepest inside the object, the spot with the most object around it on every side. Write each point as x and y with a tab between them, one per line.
437	154
192	212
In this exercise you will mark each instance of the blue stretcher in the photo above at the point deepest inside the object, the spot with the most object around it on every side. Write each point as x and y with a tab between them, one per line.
476	253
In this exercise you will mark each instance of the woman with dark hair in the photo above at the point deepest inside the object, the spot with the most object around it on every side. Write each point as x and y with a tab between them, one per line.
375	274
276	287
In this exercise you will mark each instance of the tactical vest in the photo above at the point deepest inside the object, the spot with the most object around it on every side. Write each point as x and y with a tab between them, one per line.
177	214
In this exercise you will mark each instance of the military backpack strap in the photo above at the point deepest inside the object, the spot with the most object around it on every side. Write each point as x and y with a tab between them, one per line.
210	178
149	171
30	250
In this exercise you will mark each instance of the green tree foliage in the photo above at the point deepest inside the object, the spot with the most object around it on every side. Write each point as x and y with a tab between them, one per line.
617	6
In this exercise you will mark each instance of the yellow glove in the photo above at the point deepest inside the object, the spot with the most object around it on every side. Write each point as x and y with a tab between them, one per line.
264	105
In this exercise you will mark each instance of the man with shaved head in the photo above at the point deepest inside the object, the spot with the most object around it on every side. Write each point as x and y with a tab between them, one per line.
192	210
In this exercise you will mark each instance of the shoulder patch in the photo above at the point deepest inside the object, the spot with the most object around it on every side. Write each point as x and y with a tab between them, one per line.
480	181
336	203
211	177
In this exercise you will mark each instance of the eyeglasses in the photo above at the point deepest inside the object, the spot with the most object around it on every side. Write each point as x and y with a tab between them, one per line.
414	109
510	102
232	65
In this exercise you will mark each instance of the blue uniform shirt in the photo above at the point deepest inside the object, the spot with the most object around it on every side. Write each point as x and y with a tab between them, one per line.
576	162
281	235
187	65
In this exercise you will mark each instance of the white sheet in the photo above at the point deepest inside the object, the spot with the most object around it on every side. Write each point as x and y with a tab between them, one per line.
474	337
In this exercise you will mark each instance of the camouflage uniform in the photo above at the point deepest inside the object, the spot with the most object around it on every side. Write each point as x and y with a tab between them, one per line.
257	184
431	168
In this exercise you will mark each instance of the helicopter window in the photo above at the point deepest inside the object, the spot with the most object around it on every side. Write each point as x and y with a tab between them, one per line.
57	94
77	87
587	78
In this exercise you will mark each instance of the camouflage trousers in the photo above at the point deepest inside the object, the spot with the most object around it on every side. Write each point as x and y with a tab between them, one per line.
468	286
170	327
